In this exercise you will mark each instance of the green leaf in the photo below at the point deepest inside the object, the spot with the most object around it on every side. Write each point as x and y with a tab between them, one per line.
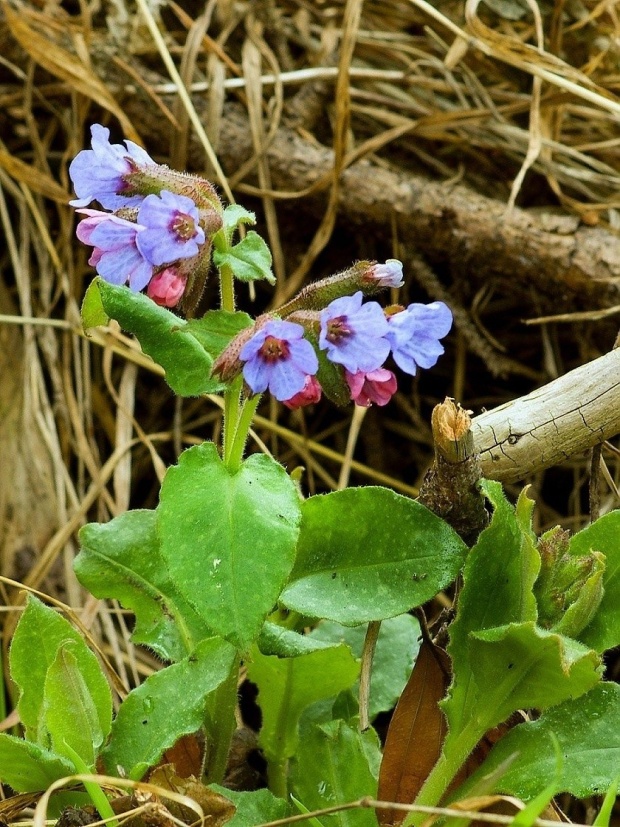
39	634
28	767
603	632
286	686
521	666
163	336
70	714
217	328
312	821
256	807
233	216
607	807
336	764
535	808
93	313
169	704
285	643
588	731
395	654
249	260
122	559
229	538
498	578
368	554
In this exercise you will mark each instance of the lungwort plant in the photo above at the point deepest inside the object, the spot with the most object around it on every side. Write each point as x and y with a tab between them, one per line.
235	567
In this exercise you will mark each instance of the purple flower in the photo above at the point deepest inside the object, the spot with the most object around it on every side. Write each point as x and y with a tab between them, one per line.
353	334
98	173
389	274
414	335
172	230
116	256
279	358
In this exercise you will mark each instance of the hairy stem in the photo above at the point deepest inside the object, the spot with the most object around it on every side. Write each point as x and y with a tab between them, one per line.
241	433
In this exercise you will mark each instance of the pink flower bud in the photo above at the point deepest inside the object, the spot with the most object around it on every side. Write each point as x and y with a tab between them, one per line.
167	287
308	395
376	386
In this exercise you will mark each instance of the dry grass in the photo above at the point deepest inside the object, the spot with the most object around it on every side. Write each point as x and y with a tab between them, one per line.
88	425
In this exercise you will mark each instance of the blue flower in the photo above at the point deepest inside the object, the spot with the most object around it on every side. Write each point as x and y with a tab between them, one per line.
98	173
172	230
116	256
353	334
279	358
414	335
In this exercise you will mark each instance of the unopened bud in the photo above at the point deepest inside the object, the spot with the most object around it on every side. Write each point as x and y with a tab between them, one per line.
309	395
228	365
153	178
167	287
584	597
389	274
368	276
569	588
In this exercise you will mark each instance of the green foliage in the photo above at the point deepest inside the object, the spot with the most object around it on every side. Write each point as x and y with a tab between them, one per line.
245	526
336	764
216	329
162	336
65	702
169	704
395	653
605	813
122	559
39	635
287	686
233	216
256	807
27	767
286	643
502	566
355	564
521	666
603	631
92	311
569	588
185	350
249	259
588	732
69	708
502	660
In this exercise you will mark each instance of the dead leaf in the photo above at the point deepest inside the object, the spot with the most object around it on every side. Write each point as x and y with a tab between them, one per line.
64	65
11	807
185	756
416	732
216	808
36	179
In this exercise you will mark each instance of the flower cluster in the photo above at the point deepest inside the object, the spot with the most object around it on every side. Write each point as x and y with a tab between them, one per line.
356	336
149	239
156	230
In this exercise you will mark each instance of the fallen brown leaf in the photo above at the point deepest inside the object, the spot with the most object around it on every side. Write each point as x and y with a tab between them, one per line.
416	732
